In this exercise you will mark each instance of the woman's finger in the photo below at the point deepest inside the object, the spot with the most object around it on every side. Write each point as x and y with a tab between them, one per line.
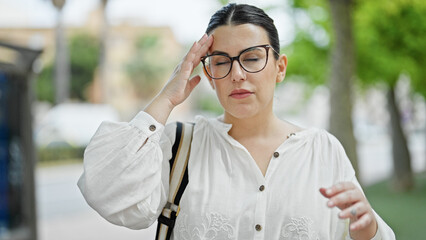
198	50
362	222
337	188
345	198
191	53
354	211
199	44
194	82
203	39
204	46
186	69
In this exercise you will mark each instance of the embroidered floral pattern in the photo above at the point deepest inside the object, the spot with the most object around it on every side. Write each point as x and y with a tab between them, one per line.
299	229
212	226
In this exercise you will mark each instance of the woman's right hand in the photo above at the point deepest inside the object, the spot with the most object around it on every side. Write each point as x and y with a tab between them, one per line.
180	85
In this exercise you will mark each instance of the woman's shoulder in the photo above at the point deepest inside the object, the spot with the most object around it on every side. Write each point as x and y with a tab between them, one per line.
201	123
318	137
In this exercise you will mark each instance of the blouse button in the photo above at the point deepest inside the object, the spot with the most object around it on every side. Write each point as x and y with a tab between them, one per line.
258	227
152	128
261	188
276	154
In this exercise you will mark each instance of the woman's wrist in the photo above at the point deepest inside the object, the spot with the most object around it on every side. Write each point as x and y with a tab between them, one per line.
367	233
160	108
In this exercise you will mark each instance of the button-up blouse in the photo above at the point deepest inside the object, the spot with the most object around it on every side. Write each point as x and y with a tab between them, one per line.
126	177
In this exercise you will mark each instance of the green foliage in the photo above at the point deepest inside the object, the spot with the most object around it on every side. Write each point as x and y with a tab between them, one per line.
389	38
59	153
223	2
45	85
403	212
309	54
209	103
390	41
307	60
146	68
305	4
317	10
84	55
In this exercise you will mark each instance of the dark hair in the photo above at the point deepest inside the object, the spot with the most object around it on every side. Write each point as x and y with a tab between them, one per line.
237	14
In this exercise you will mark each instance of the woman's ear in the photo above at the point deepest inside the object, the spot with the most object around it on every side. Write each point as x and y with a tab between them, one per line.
209	78
282	67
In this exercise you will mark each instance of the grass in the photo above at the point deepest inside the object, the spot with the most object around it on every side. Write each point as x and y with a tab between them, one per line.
59	162
404	212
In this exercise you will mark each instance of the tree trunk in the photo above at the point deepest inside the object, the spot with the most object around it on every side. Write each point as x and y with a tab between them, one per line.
62	65
343	67
403	174
103	53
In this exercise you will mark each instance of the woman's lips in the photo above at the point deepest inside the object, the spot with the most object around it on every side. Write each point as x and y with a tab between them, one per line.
240	93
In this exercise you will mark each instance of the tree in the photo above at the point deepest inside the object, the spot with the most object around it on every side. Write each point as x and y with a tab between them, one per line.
147	66
389	44
84	51
84	55
342	74
313	59
103	51
61	66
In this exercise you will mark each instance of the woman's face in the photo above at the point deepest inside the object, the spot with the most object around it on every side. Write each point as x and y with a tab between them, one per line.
243	94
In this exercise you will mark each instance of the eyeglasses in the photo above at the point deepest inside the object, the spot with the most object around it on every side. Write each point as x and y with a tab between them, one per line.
252	60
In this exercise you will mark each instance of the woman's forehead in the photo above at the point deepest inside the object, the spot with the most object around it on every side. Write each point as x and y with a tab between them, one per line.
234	38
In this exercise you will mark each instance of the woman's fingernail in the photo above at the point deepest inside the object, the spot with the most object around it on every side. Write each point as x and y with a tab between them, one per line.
330	204
328	191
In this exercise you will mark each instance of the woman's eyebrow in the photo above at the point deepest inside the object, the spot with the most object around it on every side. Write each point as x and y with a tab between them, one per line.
219	53
224	53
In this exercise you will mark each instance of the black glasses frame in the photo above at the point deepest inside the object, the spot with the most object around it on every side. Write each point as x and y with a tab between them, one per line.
237	58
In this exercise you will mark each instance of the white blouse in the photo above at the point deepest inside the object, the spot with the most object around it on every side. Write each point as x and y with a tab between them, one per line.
126	174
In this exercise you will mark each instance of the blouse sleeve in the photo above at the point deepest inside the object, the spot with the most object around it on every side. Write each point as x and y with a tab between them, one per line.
347	173
126	171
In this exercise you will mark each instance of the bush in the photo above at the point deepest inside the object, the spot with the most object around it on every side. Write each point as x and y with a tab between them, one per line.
59	153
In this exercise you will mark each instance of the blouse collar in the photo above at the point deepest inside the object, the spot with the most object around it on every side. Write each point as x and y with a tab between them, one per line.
216	123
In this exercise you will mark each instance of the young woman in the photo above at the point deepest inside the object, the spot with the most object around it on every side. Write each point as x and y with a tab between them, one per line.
251	174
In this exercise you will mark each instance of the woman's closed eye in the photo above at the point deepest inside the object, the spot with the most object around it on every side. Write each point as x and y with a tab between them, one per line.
251	59
219	63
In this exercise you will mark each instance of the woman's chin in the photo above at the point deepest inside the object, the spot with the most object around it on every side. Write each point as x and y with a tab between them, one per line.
240	113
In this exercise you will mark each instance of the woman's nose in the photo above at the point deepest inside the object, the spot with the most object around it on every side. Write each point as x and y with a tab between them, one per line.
237	72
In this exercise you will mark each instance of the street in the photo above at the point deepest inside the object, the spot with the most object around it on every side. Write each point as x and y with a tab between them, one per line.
63	213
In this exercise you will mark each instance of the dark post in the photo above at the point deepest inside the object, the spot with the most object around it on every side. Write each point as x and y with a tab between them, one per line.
20	221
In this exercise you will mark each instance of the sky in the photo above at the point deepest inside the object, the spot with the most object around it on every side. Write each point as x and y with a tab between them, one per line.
188	19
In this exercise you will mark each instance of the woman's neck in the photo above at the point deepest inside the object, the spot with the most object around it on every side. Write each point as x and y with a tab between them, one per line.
262	125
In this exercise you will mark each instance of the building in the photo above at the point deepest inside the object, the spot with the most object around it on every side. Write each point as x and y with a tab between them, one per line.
120	45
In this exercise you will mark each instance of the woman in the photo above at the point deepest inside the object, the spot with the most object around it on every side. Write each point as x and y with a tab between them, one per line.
251	174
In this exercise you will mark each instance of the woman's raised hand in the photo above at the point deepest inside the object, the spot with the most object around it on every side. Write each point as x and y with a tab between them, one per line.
180	84
354	205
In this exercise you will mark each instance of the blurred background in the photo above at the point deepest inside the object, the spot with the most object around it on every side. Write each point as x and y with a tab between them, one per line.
356	68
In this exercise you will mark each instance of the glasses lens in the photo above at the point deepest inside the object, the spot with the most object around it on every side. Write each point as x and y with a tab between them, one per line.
254	59
218	66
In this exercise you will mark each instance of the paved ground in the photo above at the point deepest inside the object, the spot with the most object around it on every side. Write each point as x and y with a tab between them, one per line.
64	215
